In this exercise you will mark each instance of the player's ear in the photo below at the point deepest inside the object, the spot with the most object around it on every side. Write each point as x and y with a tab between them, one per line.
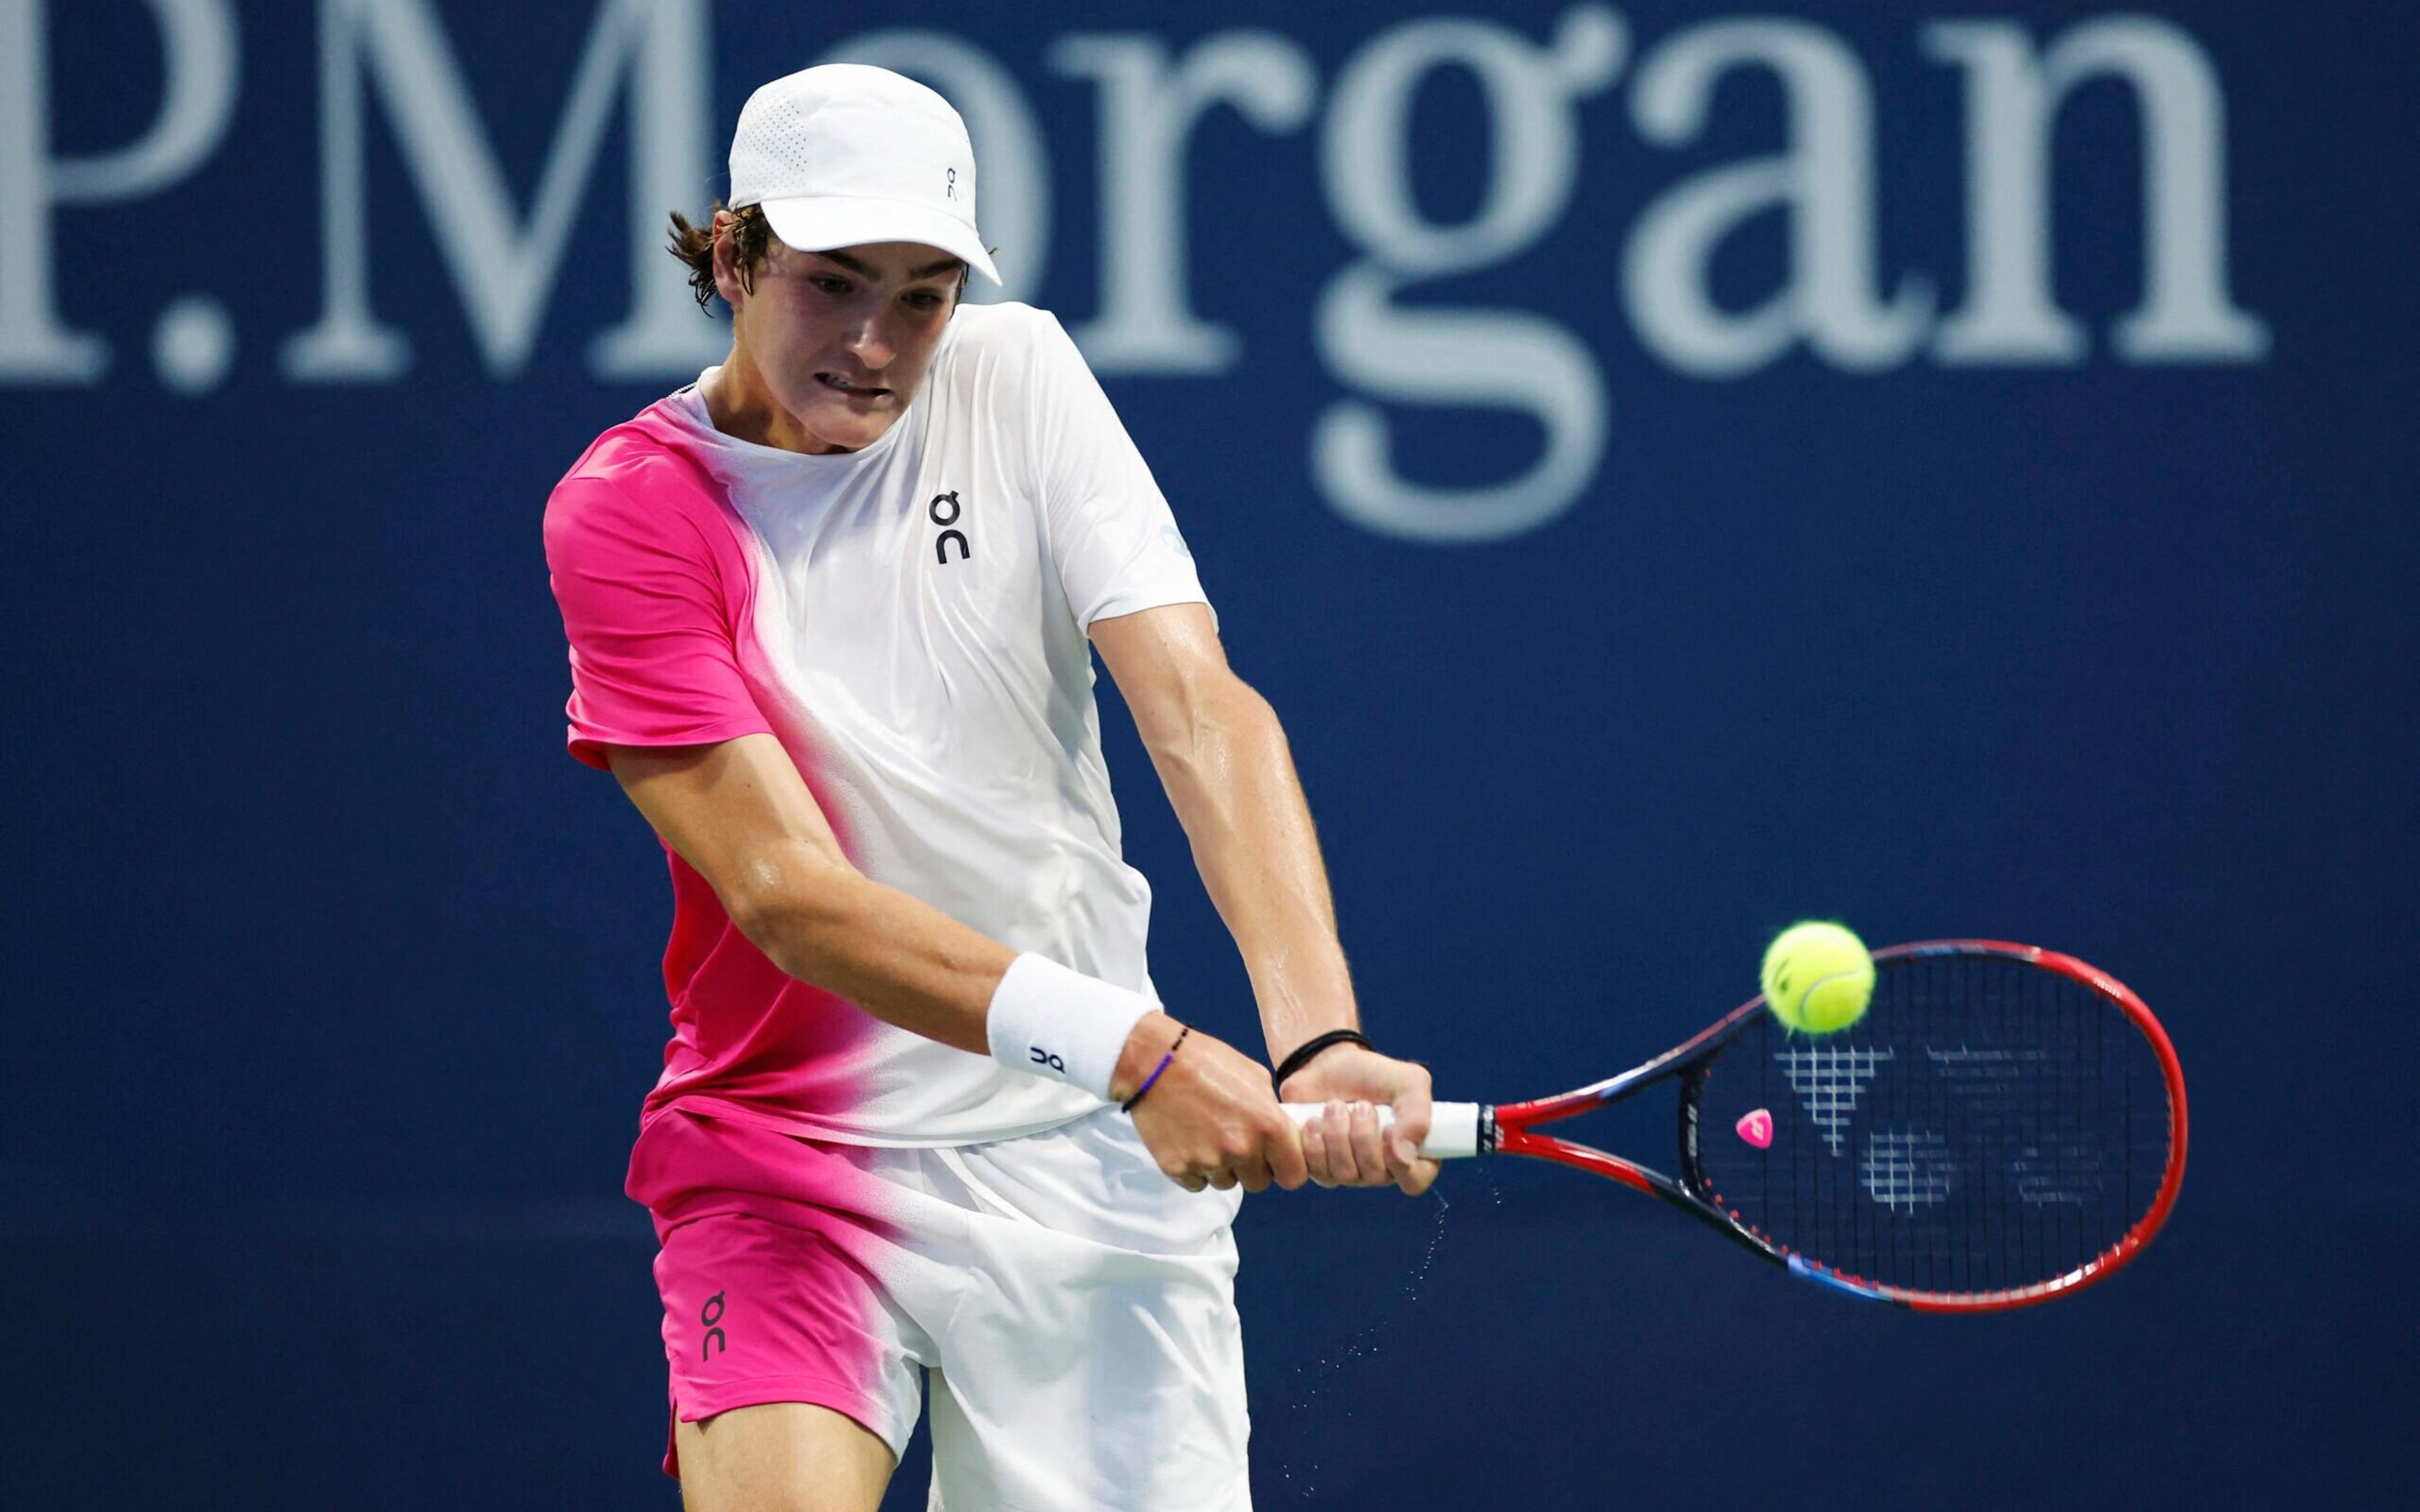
733	279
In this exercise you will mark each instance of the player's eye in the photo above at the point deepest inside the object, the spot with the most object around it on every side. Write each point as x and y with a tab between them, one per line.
829	284
925	298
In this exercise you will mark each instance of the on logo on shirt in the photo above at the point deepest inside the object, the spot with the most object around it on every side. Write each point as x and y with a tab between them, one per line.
942	541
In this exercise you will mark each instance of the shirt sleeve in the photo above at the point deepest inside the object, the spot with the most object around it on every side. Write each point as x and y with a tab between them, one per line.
1113	536
649	610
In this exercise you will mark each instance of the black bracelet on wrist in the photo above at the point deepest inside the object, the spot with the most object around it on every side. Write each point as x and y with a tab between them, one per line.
1308	1050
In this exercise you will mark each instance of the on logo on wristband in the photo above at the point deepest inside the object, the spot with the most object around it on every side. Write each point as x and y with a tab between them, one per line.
1049	1020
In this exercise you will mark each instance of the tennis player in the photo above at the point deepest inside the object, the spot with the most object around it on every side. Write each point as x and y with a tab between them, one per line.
831	611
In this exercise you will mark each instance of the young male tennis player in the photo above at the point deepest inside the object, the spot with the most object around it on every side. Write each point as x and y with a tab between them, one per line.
828	611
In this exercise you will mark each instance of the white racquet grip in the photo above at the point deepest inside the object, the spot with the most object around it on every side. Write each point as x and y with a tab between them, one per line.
1453	1127
1053	1022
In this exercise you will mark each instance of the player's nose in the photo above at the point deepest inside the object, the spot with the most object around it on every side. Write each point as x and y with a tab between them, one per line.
871	343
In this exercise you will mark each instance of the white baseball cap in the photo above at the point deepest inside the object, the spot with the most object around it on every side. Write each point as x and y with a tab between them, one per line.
843	154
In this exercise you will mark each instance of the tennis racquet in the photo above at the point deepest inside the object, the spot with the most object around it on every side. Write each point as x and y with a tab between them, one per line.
2004	1126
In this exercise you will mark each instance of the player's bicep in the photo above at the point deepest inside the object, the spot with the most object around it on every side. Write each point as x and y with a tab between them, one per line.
740	814
1171	669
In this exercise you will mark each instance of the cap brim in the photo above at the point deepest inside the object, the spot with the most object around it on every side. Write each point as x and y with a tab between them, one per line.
821	224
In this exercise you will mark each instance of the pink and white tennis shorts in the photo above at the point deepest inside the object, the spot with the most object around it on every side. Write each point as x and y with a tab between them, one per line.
1075	1308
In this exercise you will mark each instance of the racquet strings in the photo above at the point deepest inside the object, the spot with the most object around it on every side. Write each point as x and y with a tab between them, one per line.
1989	1125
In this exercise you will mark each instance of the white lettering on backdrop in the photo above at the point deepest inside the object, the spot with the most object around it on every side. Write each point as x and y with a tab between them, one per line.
2011	98
1399	360
1496	359
1825	181
1147	114
202	65
504	265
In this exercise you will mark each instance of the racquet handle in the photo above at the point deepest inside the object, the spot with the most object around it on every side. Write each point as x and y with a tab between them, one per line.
1453	1127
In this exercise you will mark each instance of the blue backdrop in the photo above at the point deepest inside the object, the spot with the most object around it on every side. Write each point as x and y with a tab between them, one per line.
1674	472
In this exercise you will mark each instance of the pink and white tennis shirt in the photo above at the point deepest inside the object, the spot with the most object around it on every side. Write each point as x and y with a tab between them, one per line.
909	620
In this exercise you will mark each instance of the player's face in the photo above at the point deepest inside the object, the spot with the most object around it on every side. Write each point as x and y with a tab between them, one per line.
843	338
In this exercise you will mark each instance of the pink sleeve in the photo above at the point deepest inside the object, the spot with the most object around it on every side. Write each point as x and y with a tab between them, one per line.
652	602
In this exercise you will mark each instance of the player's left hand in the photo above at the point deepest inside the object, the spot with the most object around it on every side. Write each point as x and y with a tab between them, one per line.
1343	1146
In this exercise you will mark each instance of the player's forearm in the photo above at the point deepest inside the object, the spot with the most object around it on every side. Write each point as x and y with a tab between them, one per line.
892	954
1232	779
909	963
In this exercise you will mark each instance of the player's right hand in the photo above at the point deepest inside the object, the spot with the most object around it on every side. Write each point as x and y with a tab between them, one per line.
1211	1119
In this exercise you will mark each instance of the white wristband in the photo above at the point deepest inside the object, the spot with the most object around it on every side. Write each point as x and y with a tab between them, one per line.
1060	1024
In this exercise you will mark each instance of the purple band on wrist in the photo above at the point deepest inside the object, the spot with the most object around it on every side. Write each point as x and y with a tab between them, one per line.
1127	1106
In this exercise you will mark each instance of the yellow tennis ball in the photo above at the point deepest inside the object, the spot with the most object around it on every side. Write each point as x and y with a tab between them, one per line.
1818	977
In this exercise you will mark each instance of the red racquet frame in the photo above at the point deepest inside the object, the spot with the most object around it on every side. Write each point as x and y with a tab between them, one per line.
1513	1129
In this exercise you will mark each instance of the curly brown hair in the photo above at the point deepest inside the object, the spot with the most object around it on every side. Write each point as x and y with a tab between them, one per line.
751	243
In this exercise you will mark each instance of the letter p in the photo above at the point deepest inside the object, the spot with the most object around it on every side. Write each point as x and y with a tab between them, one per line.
199	43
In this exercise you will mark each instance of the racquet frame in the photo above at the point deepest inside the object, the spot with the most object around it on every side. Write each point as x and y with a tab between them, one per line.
1514	1129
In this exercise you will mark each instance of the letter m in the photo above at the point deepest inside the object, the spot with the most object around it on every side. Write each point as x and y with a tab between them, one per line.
504	264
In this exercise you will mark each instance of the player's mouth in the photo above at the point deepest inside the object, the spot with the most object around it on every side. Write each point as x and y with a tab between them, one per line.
838	384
